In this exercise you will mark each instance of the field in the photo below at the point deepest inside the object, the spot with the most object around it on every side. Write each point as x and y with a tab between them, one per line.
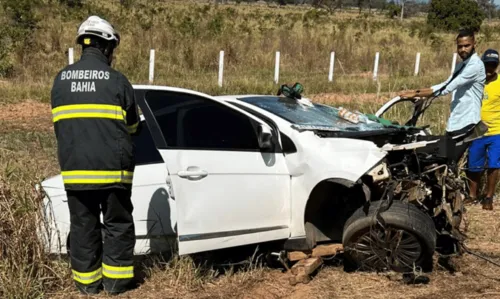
187	38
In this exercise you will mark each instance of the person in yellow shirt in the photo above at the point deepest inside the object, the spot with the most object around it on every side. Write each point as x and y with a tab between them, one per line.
484	153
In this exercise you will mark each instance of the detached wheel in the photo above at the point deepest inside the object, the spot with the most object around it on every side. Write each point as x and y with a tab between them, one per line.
403	239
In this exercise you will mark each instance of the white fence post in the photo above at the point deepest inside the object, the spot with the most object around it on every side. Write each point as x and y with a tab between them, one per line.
277	68
454	62
151	66
417	64
70	56
375	66
332	64
221	67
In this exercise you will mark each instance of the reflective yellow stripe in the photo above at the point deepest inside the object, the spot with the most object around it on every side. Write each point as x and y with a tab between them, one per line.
88	111
133	128
87	277
118	272
97	177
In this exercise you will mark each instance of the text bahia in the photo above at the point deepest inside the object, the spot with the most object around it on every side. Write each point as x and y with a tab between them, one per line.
83	86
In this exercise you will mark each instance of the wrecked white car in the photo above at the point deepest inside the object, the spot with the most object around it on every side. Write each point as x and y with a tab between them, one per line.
218	172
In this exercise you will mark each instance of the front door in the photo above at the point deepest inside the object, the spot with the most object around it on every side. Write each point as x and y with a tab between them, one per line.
228	191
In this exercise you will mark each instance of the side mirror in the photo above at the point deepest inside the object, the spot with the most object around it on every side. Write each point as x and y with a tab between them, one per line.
264	136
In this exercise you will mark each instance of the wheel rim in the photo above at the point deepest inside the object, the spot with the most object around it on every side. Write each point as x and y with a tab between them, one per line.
389	248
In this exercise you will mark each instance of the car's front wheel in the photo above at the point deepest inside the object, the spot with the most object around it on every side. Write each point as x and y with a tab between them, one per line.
401	239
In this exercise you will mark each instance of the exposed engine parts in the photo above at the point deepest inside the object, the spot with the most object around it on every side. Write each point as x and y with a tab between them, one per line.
416	208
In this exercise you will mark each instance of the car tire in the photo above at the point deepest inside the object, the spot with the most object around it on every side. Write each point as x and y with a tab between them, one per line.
402	240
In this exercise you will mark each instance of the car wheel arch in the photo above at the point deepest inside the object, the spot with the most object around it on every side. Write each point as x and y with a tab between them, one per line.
327	206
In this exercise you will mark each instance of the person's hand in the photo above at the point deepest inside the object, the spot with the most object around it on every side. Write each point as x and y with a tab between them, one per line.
408	94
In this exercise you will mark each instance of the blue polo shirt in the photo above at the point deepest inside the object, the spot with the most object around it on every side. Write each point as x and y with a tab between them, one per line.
467	93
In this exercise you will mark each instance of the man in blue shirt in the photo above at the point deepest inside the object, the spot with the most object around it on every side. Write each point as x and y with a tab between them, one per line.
466	86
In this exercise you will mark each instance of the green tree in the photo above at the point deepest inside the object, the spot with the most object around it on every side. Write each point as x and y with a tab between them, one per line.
451	15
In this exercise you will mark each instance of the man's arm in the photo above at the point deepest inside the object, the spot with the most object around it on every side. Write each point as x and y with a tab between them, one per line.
132	118
468	75
423	92
417	93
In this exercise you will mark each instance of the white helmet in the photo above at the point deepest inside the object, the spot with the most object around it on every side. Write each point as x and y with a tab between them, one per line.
96	26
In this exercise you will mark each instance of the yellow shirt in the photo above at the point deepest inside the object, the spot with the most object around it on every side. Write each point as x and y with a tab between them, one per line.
490	109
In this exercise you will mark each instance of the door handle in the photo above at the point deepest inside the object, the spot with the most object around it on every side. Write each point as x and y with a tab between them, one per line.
193	173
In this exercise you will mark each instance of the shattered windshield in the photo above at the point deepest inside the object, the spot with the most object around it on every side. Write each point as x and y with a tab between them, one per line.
306	115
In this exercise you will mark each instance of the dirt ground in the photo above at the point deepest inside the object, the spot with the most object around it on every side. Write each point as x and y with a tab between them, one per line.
470	277
27	116
332	98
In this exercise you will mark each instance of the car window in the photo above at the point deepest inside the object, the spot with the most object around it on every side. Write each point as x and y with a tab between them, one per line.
287	143
193	122
145	148
315	116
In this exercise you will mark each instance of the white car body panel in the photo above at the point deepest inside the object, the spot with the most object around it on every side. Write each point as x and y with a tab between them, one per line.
340	159
345	159
246	197
154	211
56	212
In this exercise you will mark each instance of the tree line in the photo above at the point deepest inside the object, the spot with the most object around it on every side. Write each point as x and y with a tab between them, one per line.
392	8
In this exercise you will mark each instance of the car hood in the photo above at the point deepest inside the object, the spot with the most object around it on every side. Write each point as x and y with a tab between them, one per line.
346	158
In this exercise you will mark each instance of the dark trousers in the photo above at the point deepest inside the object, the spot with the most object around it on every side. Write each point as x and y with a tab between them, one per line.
453	151
101	254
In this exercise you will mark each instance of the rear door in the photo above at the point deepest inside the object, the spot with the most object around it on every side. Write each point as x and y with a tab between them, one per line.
154	208
228	191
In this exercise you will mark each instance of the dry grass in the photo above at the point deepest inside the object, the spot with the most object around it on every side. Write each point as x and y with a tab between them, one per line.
187	38
25	269
471	278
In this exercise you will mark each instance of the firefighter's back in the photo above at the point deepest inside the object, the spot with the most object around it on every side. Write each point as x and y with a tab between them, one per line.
94	114
94	146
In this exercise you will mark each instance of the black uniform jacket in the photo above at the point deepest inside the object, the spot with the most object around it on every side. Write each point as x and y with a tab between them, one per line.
94	114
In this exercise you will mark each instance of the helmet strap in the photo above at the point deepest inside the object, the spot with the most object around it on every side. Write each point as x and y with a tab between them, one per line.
106	47
108	51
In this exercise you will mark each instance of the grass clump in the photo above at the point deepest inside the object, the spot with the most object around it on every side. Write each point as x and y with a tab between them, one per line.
26	271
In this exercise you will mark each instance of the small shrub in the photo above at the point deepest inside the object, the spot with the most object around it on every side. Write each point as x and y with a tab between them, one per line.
75	3
393	10
127	3
6	64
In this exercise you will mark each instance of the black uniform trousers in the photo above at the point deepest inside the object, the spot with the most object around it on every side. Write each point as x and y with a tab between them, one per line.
101	254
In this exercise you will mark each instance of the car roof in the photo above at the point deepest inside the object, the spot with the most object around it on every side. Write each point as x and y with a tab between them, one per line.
190	91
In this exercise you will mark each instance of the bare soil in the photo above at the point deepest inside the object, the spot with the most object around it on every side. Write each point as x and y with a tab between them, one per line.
28	116
333	98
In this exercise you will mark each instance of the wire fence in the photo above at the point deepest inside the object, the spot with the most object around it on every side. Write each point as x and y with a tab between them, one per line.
220	78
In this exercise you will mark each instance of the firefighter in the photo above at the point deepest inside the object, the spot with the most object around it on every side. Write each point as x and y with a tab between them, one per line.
94	114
